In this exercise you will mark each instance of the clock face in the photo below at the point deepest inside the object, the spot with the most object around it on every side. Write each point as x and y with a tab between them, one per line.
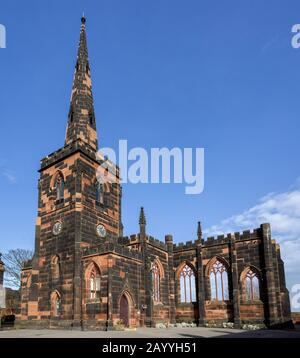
101	231
57	228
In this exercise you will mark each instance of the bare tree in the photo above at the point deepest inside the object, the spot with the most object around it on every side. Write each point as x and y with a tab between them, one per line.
14	261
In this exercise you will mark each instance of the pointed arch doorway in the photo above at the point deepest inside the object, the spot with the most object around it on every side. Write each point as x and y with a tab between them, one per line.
124	310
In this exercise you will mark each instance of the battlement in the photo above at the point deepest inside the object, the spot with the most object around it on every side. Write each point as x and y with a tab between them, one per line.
27	264
239	236
248	235
135	239
189	245
123	240
76	146
66	151
219	240
155	242
112	248
186	245
128	240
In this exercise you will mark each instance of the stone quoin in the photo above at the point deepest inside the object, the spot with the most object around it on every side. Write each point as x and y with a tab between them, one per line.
85	274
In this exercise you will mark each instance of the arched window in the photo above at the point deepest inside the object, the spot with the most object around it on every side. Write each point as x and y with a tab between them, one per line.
59	186
252	286
187	284
219	282
99	192
55	304
71	114
28	281
94	284
91	118
155	282
55	267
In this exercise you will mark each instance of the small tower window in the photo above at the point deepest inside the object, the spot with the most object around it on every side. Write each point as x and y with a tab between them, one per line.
58	306
59	186
94	284
55	304
91	119
55	267
71	114
155	272
99	193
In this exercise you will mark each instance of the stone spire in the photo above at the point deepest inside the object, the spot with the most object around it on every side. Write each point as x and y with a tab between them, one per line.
142	222
81	120
199	230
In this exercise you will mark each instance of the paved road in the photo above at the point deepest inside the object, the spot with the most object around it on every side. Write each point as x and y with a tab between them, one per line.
151	333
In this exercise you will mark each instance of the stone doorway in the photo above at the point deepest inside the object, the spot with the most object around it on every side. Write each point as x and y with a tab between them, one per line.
124	310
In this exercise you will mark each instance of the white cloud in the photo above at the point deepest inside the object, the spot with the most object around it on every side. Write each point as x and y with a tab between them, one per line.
267	45
9	175
282	211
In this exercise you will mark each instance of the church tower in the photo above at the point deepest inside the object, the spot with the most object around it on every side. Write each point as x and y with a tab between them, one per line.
79	205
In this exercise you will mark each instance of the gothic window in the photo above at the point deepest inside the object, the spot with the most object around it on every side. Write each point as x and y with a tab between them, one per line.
187	284
71	114
219	282
28	281
55	304
55	267
252	286
58	306
91	118
94	284
99	192
59	186
155	282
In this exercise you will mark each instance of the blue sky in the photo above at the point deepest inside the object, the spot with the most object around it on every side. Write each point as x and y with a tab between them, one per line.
218	75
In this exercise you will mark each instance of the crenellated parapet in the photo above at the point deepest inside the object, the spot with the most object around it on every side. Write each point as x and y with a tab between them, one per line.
188	245
27	265
129	240
111	248
245	235
157	243
219	240
62	153
136	239
79	146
